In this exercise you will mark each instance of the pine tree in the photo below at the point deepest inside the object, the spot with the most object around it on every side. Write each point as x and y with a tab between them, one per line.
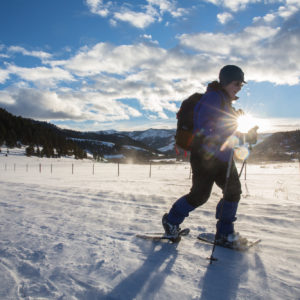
30	150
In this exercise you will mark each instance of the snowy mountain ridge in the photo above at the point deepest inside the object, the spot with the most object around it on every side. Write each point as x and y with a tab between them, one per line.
150	134
139	146
159	139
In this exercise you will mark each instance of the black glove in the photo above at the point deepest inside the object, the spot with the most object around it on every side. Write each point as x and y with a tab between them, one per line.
251	136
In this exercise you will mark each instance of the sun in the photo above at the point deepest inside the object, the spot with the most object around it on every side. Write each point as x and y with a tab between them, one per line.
247	121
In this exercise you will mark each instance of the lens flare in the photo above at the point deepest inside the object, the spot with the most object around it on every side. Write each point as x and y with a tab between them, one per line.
241	153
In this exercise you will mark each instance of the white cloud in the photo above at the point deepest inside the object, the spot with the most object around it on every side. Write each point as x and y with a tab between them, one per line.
147	36
168	6
132	111
50	105
284	12
155	77
228	44
39	104
137	19
224	17
287	8
237	5
4	75
41	75
233	5
98	7
140	16
158	78
105	58
266	53
164	5
6	98
113	23
148	39
39	54
268	18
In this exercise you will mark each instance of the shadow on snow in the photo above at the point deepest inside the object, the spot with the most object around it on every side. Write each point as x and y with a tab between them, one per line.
223	278
150	276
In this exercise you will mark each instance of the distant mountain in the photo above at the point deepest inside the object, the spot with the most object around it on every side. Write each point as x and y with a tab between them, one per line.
280	146
160	139
45	139
113	145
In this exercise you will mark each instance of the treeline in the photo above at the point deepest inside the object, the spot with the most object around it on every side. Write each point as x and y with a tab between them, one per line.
42	138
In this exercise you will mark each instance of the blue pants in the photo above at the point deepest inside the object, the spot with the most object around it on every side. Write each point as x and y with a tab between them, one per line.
206	172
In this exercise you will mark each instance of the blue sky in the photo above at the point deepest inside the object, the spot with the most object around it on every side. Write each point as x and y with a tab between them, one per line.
127	65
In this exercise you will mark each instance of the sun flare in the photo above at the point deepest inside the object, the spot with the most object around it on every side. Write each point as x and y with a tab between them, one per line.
247	121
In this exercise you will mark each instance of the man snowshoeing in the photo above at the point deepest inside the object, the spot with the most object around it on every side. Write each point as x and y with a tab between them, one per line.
214	123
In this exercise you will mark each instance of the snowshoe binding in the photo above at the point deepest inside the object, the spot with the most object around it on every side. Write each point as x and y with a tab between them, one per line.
171	231
233	240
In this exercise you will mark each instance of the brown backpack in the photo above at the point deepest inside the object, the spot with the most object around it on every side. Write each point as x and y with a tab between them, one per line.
185	122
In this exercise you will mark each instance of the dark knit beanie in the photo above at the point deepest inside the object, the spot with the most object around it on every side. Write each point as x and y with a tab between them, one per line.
231	73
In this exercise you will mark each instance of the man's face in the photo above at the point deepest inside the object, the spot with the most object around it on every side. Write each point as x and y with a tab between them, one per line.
233	88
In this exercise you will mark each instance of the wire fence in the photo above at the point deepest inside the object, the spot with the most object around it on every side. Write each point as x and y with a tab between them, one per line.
150	170
92	169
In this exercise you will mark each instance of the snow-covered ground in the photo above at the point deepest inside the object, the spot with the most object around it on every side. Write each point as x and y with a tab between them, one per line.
72	236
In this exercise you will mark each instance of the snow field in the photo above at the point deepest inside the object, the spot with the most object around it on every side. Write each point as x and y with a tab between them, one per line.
72	236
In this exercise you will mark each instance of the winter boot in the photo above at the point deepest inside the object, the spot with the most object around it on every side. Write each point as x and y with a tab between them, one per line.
233	239
170	229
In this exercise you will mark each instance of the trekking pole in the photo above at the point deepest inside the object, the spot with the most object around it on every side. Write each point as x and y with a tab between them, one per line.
243	165
242	142
211	259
